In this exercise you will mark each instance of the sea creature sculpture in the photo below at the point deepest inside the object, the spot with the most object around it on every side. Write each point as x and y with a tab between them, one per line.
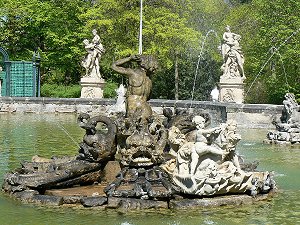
97	145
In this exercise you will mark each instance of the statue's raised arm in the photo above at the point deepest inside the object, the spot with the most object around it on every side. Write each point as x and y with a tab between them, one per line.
118	65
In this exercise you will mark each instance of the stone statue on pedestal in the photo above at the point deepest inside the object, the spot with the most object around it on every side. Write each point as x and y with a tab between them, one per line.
232	55
92	83
231	81
94	52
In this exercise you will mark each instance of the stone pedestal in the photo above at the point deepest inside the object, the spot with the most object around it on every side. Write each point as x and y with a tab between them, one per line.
91	87
231	90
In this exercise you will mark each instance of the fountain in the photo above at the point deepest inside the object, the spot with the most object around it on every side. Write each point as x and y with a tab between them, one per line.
139	160
288	125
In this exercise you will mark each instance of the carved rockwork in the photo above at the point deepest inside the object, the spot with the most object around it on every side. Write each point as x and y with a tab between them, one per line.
288	125
140	143
143	183
55	173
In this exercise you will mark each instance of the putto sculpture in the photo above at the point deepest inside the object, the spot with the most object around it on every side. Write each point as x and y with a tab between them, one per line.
159	160
209	165
288	125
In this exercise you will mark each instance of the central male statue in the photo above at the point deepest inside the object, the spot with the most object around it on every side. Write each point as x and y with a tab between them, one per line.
139	83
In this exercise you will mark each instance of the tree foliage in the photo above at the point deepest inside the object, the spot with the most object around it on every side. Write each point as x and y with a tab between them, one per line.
180	33
271	33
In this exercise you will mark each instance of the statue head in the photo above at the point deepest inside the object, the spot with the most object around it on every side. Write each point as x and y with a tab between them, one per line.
227	28
149	63
94	31
86	41
199	121
231	125
289	96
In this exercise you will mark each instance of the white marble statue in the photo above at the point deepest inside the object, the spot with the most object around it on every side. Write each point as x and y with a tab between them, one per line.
120	103
209	165
232	55
288	125
290	108
215	94
94	52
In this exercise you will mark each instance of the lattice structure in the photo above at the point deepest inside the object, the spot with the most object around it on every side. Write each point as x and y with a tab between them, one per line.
22	79
19	78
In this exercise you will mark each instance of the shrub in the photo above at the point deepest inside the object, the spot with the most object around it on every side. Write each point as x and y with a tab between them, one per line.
74	91
109	90
60	91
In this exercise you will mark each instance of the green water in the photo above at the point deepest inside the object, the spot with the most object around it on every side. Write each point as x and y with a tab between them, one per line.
22	136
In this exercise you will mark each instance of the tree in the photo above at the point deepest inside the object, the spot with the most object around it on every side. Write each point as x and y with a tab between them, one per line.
51	27
279	37
166	32
270	41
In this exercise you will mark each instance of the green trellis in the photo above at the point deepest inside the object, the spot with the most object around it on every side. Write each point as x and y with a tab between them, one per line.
19	78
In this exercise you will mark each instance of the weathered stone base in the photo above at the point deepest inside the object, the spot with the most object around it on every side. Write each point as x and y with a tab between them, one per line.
93	196
284	137
231	92
218	201
284	143
91	87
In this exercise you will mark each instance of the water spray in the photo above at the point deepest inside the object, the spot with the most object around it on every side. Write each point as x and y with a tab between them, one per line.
268	60
67	133
200	57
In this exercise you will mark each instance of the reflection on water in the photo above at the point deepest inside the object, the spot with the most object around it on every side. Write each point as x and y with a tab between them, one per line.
22	136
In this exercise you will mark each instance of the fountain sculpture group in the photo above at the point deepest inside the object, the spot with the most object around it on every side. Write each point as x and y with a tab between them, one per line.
288	125
160	161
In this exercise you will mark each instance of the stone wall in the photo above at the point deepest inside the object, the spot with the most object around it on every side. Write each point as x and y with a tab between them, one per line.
246	115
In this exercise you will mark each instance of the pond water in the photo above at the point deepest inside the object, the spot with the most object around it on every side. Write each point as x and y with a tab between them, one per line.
22	136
